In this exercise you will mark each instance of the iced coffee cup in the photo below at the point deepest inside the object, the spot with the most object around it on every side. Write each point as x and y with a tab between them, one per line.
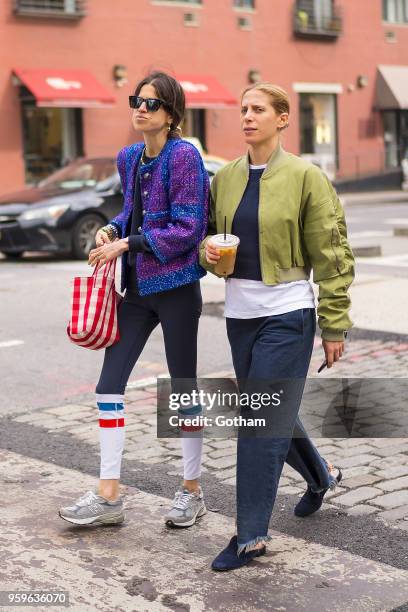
227	246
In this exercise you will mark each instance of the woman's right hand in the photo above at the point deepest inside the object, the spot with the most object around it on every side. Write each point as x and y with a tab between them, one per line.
212	254
101	238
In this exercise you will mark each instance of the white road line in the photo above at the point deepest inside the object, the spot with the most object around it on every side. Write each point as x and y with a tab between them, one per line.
370	234
398	221
10	343
70	267
145	382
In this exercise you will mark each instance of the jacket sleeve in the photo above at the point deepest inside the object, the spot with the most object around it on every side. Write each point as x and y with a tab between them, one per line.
188	195
121	165
212	227
329	253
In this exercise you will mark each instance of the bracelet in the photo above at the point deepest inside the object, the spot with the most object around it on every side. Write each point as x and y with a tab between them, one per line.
108	232
111	231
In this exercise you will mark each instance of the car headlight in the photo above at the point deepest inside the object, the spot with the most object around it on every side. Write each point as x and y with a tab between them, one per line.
46	213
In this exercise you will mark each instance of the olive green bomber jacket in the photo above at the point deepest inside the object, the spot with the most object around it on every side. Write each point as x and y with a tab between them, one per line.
302	229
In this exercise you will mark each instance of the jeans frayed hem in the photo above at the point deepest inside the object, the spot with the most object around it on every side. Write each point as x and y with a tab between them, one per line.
332	482
332	485
251	545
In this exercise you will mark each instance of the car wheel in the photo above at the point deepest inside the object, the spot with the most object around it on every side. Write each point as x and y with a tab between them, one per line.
13	255
83	235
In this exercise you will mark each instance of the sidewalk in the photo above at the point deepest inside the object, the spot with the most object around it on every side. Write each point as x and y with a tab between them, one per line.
374	197
379	301
144	567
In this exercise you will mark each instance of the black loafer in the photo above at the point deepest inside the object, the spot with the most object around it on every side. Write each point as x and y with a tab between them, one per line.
228	558
310	502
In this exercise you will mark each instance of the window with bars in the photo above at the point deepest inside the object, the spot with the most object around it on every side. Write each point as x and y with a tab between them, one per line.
245	4
179	2
50	8
395	11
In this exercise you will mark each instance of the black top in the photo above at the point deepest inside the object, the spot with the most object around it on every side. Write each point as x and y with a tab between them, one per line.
137	242
245	225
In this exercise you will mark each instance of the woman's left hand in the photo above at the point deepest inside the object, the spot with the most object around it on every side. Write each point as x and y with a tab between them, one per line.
333	351
101	255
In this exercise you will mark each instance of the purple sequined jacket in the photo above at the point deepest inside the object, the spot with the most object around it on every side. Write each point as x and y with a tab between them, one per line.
174	192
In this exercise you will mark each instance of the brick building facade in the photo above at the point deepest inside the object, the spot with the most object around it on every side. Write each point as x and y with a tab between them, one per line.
343	63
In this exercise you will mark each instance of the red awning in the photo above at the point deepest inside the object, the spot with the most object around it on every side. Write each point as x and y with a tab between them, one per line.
65	88
204	91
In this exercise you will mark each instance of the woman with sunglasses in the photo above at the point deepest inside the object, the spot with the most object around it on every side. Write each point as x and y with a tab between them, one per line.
157	234
289	221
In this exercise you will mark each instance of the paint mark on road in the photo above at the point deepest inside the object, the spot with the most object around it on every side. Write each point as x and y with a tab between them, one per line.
10	343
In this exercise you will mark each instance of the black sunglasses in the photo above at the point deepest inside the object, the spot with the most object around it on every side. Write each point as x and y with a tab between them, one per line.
152	104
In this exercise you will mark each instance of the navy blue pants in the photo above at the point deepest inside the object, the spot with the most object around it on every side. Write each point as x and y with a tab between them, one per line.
265	348
178	311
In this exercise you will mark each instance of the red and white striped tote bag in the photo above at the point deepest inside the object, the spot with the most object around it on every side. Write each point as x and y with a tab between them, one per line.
94	321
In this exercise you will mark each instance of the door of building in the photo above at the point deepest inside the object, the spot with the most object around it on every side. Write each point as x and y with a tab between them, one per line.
318	130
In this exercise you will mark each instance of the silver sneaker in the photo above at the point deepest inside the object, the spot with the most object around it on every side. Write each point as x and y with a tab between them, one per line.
187	508
92	509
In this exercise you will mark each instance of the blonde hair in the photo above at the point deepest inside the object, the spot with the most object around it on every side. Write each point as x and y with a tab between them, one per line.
278	97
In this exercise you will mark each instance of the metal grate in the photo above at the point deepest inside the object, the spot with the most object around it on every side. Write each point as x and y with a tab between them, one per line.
191	19
51	8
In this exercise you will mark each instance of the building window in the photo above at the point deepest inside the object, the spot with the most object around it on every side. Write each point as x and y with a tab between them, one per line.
50	8
244	4
395	11
179	2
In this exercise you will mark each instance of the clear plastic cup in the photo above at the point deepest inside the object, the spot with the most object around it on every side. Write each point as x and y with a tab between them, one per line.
228	251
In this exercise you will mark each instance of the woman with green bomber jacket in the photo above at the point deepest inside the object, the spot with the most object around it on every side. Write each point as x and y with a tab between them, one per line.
290	222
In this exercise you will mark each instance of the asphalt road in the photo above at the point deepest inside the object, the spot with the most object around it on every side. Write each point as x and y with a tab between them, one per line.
40	367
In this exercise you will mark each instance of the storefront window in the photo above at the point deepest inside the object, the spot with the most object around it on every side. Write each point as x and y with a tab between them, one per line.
195	125
318	130
390	139
52	137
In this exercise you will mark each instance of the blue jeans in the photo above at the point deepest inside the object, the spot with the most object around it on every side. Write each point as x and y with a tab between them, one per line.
278	346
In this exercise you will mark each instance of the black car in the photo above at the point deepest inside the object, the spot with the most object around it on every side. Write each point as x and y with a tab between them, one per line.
63	213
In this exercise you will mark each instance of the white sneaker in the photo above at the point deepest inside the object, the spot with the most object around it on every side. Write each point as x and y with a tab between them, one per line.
93	509
187	508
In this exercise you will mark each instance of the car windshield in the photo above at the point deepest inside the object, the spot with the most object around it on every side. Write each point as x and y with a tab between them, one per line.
80	174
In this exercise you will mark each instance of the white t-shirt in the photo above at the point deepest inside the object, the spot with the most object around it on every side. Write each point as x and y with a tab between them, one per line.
249	299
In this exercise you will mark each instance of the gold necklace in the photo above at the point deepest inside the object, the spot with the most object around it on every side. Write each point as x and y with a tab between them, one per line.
143	157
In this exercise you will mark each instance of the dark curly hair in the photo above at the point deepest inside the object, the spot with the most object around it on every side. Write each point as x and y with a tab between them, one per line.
171	92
